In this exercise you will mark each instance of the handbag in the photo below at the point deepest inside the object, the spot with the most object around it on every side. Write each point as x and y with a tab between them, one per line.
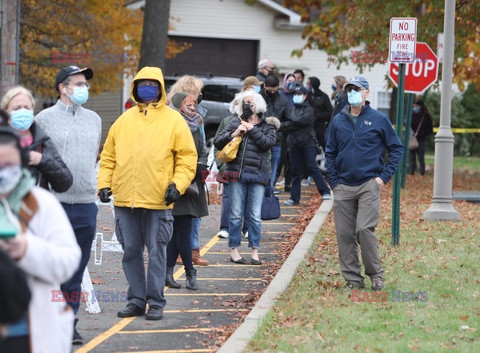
229	152
192	190
270	205
413	141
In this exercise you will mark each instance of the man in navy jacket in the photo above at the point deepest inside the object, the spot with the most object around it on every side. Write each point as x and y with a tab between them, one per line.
356	140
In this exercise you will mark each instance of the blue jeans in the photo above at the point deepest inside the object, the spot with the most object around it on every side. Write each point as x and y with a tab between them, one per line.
225	218
276	154
83	218
306	157
194	234
245	197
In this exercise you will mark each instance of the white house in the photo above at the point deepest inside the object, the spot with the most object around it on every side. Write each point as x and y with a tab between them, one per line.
228	37
264	30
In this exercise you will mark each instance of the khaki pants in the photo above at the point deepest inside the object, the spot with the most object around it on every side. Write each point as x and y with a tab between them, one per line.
357	212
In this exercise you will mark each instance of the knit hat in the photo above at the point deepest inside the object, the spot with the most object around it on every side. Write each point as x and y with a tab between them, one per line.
178	98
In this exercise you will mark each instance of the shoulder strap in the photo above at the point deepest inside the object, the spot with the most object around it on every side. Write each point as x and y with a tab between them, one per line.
418	127
27	210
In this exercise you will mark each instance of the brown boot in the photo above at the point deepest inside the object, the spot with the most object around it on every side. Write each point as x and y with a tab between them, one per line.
197	259
179	260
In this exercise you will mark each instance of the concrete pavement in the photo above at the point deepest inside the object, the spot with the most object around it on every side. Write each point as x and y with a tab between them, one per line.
193	319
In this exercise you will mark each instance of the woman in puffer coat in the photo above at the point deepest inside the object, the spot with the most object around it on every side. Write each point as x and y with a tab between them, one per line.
249	173
45	163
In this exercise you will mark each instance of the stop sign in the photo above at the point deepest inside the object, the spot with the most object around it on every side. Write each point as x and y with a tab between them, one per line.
420	74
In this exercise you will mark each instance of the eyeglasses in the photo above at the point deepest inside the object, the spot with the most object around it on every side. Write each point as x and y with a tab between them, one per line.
358	89
80	84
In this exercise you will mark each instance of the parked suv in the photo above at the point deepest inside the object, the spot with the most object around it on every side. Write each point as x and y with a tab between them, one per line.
218	92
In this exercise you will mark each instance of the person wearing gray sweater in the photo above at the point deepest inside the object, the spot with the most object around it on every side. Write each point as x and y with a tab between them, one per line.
76	133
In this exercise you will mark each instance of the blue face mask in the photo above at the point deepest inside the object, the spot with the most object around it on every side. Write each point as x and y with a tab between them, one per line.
355	98
257	89
334	88
297	99
22	119
79	96
147	93
416	110
291	86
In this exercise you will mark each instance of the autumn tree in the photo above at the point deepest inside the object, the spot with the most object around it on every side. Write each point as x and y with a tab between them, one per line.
102	34
336	26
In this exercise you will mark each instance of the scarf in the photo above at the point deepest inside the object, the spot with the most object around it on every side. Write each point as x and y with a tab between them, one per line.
10	206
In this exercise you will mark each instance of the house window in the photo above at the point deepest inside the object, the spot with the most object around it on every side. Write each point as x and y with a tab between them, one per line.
383	99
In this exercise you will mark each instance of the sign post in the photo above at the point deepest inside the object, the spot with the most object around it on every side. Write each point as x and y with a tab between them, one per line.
402	47
419	76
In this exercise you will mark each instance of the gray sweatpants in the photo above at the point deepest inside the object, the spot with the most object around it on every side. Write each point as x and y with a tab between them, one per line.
357	212
135	229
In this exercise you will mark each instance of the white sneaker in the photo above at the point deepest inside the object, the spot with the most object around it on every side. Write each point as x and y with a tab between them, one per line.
246	234
280	183
305	182
222	234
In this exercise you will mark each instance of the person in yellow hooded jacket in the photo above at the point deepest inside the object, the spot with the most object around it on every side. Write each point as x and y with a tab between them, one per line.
148	160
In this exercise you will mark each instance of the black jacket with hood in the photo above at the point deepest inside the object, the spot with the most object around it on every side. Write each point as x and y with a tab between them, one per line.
321	104
300	129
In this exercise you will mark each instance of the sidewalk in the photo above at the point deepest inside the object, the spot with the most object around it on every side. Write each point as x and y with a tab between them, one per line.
194	320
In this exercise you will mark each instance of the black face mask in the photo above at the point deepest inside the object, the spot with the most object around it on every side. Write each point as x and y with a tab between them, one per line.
270	93
247	110
199	98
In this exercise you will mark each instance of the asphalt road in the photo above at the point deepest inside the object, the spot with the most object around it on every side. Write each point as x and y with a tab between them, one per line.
192	319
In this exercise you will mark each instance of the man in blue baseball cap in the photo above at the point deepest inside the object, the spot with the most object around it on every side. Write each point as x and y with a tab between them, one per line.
356	140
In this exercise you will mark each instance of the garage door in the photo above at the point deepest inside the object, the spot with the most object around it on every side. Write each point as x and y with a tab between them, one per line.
219	57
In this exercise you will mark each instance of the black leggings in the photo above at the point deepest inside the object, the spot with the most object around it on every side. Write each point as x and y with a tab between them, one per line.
180	242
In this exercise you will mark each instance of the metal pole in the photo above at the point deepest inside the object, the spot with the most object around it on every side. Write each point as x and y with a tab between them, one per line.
441	207
408	122
397	175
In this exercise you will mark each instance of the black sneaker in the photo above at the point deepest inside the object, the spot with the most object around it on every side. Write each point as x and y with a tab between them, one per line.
378	283
154	313
353	285
77	339
131	310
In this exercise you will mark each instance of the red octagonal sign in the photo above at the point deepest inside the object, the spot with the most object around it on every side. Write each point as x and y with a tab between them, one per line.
420	74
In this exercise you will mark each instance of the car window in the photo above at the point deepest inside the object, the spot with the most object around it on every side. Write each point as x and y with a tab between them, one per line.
230	92
169	83
213	93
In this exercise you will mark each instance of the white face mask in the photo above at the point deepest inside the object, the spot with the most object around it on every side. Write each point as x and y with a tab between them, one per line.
9	178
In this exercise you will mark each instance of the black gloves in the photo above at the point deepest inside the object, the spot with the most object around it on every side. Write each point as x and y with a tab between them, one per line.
104	195
172	194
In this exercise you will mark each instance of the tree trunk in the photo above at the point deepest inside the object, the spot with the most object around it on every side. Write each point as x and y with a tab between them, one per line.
155	32
8	45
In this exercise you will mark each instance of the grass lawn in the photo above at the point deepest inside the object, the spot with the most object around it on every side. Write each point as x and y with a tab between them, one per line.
432	299
470	164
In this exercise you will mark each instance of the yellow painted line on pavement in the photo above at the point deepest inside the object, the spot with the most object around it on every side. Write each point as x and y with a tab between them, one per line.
124	322
232	265
179	330
203	295
229	279
105	335
280	223
202	311
199	350
241	253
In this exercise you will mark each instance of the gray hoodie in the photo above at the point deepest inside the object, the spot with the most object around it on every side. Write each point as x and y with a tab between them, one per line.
76	133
